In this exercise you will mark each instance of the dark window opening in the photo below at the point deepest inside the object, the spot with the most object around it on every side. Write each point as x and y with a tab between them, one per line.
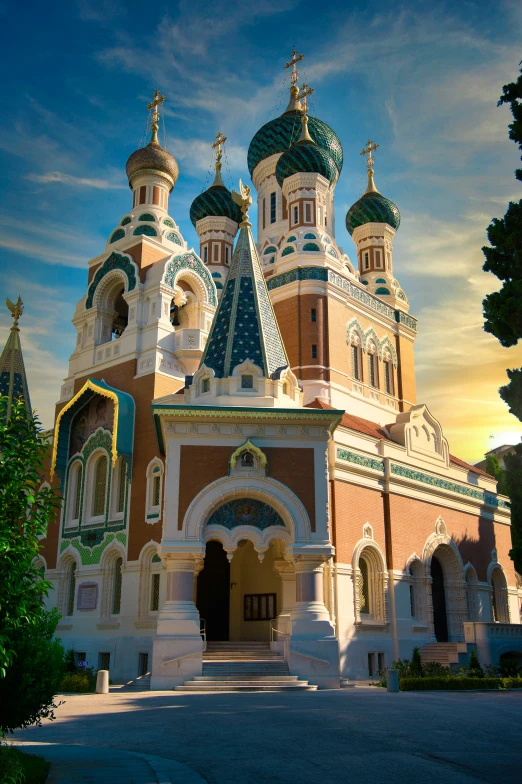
121	316
314	351
313	315
273	204
260	607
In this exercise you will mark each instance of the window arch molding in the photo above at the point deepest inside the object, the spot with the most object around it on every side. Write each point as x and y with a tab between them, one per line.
113	558
149	568
384	344
119	489
370	336
72	504
354	328
447	552
154	491
472	583
368	551
97	486
499	593
418	586
67	582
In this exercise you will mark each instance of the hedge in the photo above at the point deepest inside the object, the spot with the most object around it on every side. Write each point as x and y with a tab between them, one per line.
77	683
458	683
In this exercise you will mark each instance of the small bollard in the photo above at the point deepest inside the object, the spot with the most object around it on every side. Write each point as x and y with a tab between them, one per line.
393	680
102	682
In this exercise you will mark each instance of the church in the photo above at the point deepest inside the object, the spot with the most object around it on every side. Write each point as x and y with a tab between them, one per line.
248	479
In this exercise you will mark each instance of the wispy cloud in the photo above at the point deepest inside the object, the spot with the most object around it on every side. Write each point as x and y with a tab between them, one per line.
69	179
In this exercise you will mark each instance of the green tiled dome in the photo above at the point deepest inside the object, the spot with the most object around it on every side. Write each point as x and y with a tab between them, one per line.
283	132
305	157
215	201
372	207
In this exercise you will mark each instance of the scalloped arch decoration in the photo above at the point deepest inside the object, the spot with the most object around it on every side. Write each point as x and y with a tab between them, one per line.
114	262
354	326
148	231
311	246
119	234
384	344
172	236
191	262
369	335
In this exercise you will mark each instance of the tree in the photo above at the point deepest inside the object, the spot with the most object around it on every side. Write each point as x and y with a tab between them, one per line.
26	629
503	309
494	468
513	478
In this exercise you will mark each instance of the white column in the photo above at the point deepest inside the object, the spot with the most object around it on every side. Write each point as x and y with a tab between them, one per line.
286	572
178	645
313	650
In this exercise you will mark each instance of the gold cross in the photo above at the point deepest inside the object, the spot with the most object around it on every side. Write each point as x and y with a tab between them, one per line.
153	105
296	58
370	147
303	96
220	139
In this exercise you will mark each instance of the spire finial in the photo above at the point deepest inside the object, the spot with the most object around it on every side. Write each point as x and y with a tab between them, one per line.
294	59
305	91
16	308
217	146
244	199
154	121
370	147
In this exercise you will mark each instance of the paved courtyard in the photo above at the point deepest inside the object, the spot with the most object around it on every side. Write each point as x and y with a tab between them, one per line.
360	735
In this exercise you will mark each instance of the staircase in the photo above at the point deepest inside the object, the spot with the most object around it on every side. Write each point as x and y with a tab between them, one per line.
445	653
244	666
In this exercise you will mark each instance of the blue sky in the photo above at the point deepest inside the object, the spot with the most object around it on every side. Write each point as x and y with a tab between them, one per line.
422	79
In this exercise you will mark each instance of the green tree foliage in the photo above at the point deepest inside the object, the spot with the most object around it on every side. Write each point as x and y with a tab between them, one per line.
27	650
513	479
503	309
494	468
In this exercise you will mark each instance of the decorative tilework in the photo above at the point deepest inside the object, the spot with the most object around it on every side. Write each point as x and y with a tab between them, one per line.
245	326
311	246
284	131
288	251
93	555
172	236
405	318
445	484
147	217
372	207
119	234
380	280
126	220
115	261
309	236
306	157
216	201
332	252
148	231
270	249
168	222
382	290
246	511
291	238
156	559
192	262
362	460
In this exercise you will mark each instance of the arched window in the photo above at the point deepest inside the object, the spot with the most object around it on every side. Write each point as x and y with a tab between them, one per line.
356	357
471	594
99	489
499	596
417	592
370	587
154	491
116	586
388	375
74	493
373	375
70	589
119	487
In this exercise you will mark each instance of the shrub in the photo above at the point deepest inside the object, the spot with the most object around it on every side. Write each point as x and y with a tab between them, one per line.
509	666
474	668
453	683
416	663
76	683
17	767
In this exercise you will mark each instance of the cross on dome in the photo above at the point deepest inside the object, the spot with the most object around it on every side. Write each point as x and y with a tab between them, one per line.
370	147
304	92
153	106
217	145
295	58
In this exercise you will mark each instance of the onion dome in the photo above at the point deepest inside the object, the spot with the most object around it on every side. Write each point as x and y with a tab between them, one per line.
215	201
372	207
306	156
284	132
153	158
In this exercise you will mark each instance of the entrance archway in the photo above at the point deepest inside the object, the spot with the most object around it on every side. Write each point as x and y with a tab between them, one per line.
213	592
438	594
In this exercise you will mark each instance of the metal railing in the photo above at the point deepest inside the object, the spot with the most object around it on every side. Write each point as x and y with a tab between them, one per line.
274	631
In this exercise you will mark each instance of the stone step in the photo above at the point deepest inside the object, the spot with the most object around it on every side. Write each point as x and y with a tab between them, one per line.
445	653
254	686
248	677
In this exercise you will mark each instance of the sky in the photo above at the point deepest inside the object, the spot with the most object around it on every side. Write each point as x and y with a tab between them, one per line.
422	79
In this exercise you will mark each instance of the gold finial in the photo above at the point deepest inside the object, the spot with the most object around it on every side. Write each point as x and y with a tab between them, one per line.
305	91
154	124
244	199
16	308
295	58
370	147
217	146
